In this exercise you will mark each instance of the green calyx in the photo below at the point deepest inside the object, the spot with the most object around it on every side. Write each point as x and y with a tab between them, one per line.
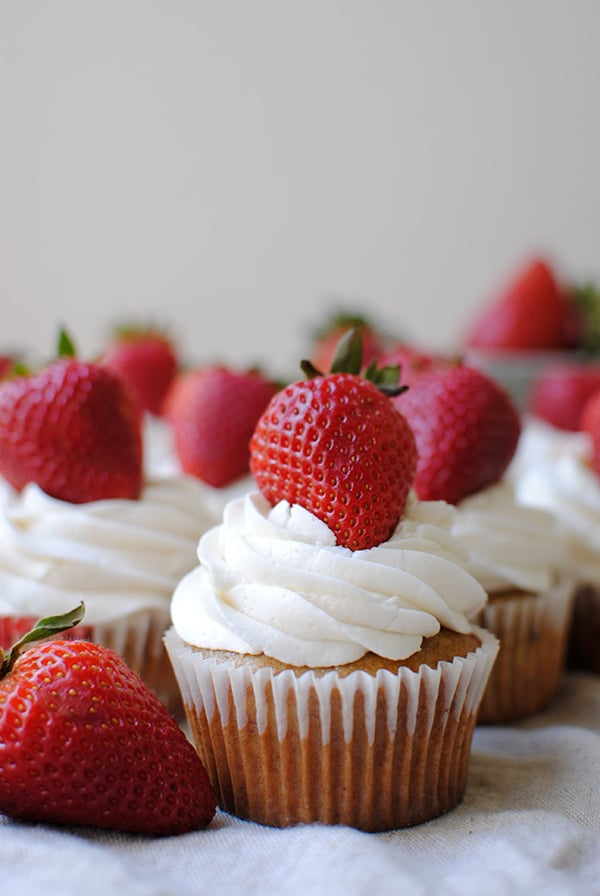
44	628
348	359
65	347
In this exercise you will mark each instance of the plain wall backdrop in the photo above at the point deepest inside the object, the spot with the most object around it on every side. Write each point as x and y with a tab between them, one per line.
233	168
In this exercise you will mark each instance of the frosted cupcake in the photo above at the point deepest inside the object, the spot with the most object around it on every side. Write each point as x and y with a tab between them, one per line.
81	522
324	650
519	556
295	656
566	485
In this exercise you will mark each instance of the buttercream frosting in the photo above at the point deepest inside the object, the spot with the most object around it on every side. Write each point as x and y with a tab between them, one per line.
119	556
510	545
273	580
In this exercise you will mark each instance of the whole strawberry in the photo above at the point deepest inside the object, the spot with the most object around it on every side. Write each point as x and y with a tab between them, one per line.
73	429
336	445
466	429
147	361
560	392
531	312
213	412
84	742
328	337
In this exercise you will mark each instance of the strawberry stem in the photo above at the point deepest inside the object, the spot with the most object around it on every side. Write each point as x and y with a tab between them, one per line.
348	359
44	628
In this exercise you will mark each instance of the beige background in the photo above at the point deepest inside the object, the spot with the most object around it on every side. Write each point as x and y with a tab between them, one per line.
231	167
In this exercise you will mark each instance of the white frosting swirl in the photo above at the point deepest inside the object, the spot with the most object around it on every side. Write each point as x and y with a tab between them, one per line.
273	581
510	545
566	485
119	556
540	442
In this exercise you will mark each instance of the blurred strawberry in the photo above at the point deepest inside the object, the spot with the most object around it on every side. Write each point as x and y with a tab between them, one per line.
328	337
532	312
146	360
466	429
213	411
411	360
590	423
7	363
73	429
561	390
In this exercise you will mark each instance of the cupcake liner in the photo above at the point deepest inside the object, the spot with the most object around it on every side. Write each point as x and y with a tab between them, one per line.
583	651
376	752
138	638
532	629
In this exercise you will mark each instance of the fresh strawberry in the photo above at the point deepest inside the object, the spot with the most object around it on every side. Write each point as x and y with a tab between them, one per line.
84	742
411	360
213	411
337	446
530	313
466	429
72	428
560	391
589	422
328	337
147	361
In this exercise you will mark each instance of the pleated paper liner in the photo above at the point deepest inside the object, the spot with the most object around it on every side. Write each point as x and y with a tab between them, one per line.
532	630
374	751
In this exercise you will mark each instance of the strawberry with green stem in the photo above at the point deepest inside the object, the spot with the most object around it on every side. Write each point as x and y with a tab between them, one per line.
84	742
336	445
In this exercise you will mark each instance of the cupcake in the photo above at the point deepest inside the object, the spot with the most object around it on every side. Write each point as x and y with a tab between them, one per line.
519	556
80	521
467	430
565	483
324	649
327	685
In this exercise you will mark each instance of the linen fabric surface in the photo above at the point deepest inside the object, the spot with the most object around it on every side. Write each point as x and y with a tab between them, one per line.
530	822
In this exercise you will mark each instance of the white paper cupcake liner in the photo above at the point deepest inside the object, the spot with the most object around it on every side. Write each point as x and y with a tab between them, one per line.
374	751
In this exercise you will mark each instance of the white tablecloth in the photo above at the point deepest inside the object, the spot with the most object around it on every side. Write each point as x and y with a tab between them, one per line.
530	823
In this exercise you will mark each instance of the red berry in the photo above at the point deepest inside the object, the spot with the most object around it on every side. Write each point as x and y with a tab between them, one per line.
466	429
560	392
338	447
411	360
590	423
74	429
327	342
532	312
147	361
84	742
213	412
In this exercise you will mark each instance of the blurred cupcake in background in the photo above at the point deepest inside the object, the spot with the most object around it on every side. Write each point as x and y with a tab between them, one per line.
467	429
